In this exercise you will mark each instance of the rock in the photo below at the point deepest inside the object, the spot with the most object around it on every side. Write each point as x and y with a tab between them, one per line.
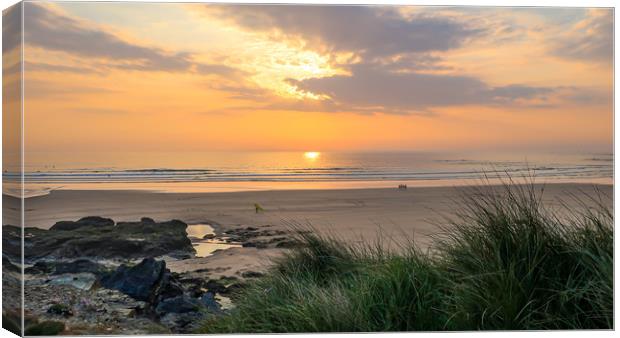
140	281
184	314
179	304
180	255
60	309
183	322
288	243
83	281
215	286
209	302
209	236
11	243
94	237
76	266
251	274
40	268
193	286
256	243
168	287
8	266
90	221
147	281
92	310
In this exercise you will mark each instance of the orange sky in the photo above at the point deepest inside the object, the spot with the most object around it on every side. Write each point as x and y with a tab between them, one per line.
153	76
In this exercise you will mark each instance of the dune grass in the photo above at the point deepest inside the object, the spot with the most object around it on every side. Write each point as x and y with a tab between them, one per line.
505	262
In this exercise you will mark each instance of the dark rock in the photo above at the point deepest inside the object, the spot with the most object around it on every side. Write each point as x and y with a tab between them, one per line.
77	266
40	268
215	286
8	266
147	281
185	314
193	286
180	255
251	274
147	220
90	221
288	243
179	304
91	238
209	236
141	281
168	287
80	265
183	322
259	244
12	242
60	309
209	302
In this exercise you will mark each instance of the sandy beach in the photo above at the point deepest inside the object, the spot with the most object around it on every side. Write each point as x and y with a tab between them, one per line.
352	215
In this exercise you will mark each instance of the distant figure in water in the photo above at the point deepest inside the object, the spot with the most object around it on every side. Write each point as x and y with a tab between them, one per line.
258	208
402	187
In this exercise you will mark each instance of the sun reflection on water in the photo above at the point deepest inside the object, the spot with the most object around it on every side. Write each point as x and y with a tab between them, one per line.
312	155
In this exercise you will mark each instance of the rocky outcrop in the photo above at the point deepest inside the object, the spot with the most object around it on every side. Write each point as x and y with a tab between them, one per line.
97	237
76	266
92	312
100	276
252	237
90	221
148	281
177	307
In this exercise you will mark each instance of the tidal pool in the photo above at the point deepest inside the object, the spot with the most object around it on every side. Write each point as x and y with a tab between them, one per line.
205	247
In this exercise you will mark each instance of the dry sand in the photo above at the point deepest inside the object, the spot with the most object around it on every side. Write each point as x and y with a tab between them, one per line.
354	214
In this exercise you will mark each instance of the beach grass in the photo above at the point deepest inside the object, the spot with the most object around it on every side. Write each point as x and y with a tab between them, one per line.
505	261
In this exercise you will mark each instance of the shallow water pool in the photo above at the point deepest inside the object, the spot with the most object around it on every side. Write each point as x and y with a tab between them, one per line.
205	247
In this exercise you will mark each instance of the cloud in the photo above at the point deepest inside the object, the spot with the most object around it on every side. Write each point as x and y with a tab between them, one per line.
590	39
11	28
243	91
367	30
52	30
374	86
48	67
46	89
589	96
11	69
416	62
400	68
210	68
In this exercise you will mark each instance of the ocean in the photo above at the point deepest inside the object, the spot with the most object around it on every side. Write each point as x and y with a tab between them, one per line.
241	171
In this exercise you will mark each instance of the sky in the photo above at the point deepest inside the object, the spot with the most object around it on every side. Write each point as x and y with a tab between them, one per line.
198	77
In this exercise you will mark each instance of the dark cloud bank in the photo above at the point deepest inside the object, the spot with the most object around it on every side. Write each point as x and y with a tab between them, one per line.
396	53
53	31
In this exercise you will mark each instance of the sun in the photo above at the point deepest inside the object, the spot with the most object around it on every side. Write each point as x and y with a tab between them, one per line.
312	155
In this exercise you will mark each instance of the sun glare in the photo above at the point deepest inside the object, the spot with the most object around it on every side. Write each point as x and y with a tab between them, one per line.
312	155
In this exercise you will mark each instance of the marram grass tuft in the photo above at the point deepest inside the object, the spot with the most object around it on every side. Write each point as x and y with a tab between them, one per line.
504	262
